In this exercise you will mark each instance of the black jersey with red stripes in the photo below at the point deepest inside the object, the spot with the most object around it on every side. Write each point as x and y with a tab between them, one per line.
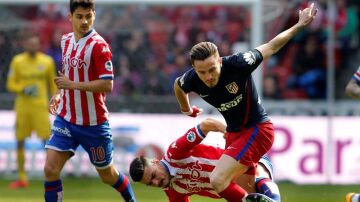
235	95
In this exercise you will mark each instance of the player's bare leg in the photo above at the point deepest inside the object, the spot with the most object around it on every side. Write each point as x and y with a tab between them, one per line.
54	163
221	178
22	181
118	181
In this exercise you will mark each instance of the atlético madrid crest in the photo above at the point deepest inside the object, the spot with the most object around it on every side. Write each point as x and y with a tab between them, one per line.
232	88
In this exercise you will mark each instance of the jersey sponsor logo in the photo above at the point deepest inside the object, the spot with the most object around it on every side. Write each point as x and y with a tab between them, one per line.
191	137
232	88
231	104
73	62
64	131
249	57
195	177
109	66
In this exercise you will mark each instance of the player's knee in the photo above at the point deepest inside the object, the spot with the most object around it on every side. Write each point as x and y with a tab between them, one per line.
109	175
51	171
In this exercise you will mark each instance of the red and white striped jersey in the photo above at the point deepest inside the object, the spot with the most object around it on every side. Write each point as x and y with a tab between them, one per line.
85	60
190	165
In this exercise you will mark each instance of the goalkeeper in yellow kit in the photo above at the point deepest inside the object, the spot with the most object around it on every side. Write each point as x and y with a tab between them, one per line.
31	77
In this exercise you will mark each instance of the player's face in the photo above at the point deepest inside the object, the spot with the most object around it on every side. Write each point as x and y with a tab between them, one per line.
156	175
82	21
208	70
32	45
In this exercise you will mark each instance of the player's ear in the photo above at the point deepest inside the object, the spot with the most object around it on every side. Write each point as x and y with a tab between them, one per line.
70	17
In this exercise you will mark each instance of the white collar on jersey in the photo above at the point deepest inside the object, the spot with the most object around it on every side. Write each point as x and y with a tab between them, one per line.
168	168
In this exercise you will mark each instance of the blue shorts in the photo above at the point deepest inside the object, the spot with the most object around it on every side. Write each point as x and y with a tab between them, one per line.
96	140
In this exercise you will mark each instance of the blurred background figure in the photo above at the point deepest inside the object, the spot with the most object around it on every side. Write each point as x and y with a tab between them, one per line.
309	68
271	88
31	77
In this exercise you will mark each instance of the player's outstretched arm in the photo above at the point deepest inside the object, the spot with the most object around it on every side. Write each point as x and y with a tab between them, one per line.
306	16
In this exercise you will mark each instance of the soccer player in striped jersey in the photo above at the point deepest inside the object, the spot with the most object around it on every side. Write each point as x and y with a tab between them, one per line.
79	105
185	169
353	87
353	90
226	83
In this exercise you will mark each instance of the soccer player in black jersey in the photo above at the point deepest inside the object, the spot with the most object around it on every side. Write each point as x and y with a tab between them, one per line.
226	83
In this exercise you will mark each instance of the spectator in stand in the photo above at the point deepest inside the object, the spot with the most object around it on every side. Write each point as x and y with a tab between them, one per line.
154	81
309	69
345	26
271	88
5	57
55	50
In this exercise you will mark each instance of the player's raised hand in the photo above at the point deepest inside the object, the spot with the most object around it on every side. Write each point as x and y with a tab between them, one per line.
193	112
307	15
63	82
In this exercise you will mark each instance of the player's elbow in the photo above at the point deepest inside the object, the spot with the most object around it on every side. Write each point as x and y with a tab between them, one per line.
352	88
108	86
348	90
10	88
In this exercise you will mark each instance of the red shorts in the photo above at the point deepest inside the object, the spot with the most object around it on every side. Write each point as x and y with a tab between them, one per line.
249	144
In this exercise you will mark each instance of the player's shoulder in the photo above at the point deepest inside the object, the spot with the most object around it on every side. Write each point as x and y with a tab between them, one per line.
99	39
187	77
190	73
19	57
250	57
46	57
101	44
67	36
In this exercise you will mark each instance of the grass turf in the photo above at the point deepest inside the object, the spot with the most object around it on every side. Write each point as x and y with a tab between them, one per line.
92	190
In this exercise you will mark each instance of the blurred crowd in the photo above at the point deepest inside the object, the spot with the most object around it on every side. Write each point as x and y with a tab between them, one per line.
150	44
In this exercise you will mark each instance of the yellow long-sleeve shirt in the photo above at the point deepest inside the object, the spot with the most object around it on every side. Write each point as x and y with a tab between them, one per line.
27	71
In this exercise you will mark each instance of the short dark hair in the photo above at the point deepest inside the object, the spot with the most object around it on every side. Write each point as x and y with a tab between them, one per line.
202	50
137	168
29	34
74	4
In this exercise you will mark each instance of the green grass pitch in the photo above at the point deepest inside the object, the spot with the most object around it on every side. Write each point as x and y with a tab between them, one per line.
92	190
